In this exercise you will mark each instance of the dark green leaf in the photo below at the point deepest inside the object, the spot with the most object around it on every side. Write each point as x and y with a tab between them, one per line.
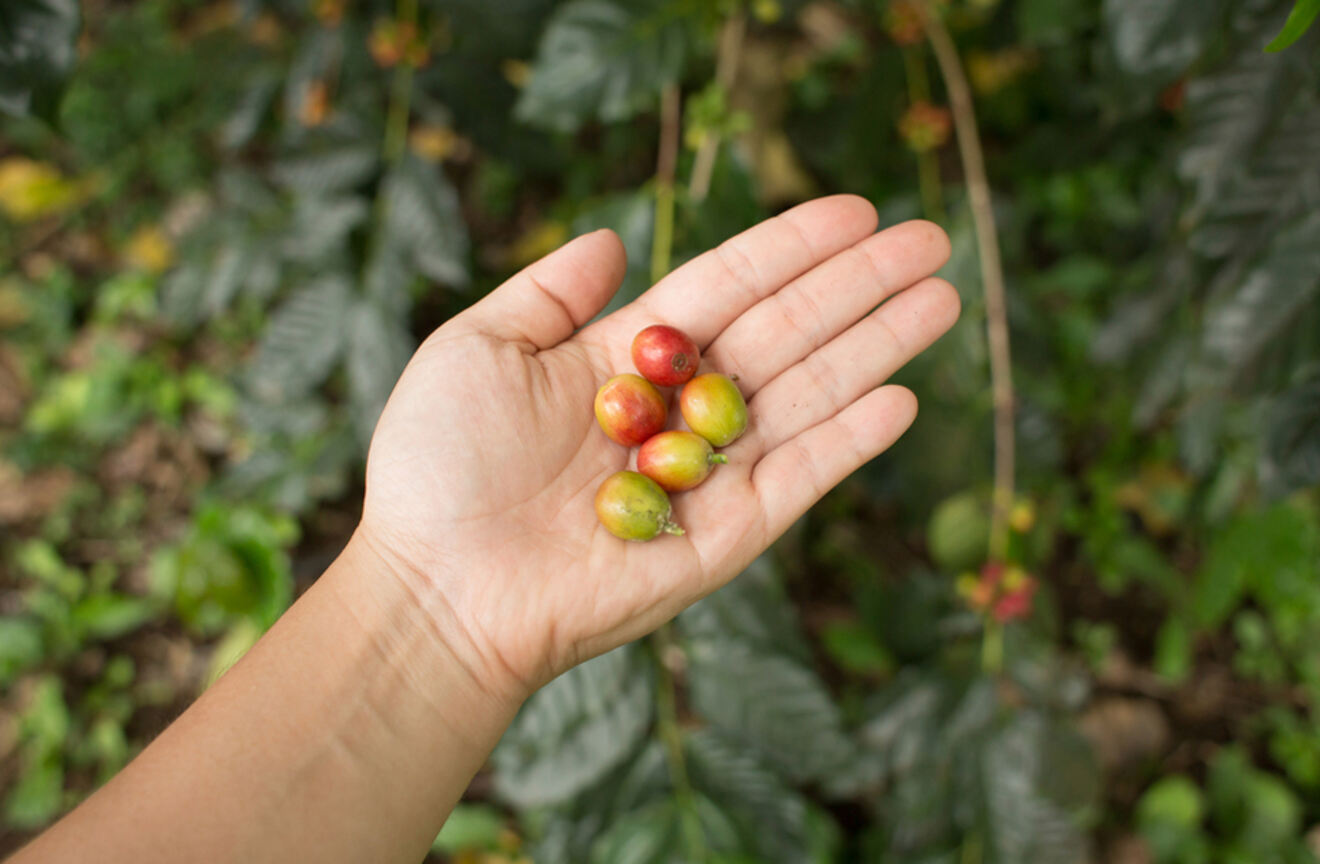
602	59
305	338
1293	448
1027	826
655	835
36	53
631	216
778	706
772	818
330	166
423	223
753	609
576	729
1159	39
378	348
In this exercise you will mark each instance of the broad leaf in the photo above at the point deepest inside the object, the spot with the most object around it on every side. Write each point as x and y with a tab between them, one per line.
302	342
576	729
602	59
771	816
1159	39
774	704
656	834
1293	445
753	609
36	53
631	216
107	616
1027	827
423	224
329	166
378	348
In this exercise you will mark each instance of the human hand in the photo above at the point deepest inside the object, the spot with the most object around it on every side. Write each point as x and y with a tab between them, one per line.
485	463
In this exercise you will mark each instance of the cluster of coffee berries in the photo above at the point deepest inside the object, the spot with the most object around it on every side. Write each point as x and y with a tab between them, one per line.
634	505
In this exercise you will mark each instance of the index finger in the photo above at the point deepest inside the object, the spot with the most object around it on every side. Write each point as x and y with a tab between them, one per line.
709	292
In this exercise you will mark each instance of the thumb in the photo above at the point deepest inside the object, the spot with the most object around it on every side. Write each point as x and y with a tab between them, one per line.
544	303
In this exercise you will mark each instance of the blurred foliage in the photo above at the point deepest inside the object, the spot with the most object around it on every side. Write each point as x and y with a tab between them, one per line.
211	280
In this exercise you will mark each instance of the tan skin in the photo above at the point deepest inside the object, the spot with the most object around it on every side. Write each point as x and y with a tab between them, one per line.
479	572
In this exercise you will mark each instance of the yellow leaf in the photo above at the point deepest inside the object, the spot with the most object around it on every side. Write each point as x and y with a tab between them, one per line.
781	173
537	242
149	250
516	72
435	143
31	190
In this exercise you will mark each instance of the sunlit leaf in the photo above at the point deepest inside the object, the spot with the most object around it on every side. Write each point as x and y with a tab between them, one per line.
1301	18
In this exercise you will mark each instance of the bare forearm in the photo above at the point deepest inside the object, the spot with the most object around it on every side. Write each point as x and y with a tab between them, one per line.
346	734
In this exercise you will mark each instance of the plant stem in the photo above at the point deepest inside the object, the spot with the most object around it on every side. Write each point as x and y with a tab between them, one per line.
662	641
928	162
671	736
396	122
726	70
992	647
992	270
662	240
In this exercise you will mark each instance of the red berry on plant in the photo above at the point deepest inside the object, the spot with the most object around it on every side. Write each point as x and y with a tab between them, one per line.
714	408
677	460
665	355
634	507
630	409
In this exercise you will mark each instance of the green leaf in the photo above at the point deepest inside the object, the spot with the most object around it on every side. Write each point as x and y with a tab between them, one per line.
321	226
576	729
423	223
753	609
1159	39
1301	17
1037	782
602	59
470	827
655	835
329	166
1169	816
302	342
378	349
856	649
1173	649
774	704
38	795
1293	444
1269	300
20	646
771	817
631	216
108	616
36	53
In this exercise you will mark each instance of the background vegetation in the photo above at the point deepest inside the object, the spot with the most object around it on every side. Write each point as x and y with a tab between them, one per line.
224	222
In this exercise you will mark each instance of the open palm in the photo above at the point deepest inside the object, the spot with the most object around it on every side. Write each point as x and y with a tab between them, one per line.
486	461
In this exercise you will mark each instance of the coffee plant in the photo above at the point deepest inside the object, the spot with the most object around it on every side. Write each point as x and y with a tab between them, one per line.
225	224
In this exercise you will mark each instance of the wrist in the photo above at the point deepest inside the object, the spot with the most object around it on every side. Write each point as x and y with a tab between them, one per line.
409	615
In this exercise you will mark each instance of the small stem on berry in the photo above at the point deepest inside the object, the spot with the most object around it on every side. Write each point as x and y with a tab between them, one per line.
669	526
718	459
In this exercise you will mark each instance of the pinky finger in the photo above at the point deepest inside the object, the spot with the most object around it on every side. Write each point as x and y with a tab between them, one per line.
798	473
